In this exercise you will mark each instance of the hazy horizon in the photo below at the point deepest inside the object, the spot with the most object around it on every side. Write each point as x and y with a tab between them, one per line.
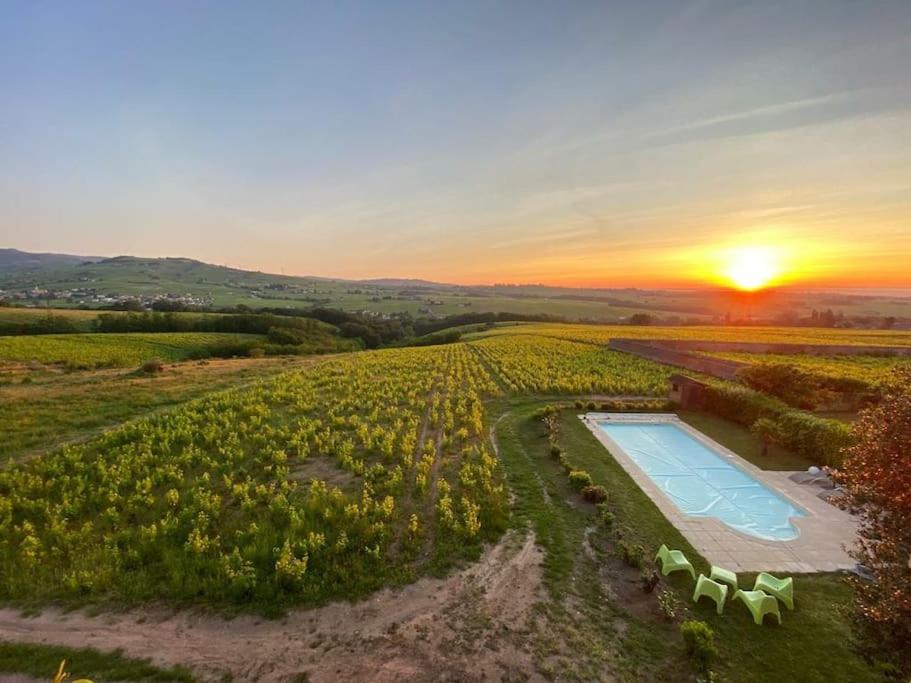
602	144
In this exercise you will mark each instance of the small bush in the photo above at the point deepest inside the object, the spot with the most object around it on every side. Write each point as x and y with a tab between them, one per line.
545	412
256	352
555	451
649	578
631	554
152	366
594	494
590	405
579	479
700	643
579	405
605	515
668	604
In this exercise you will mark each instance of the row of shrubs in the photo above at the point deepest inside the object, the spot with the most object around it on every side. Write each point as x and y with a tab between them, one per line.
698	637
808	390
643	405
816	438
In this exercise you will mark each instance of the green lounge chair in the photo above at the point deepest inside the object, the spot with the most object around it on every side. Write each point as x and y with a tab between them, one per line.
759	604
783	589
724	576
673	561
716	591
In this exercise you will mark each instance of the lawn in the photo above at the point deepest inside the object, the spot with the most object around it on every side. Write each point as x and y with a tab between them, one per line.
42	661
739	439
597	609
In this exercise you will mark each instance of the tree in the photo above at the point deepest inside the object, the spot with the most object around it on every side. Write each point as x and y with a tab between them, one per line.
640	319
767	431
876	478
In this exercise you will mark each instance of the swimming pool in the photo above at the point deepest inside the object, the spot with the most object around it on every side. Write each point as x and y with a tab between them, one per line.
701	482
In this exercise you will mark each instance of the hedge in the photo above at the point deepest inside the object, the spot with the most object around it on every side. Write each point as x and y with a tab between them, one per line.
815	438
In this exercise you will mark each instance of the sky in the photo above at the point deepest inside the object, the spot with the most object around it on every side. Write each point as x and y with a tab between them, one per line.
573	143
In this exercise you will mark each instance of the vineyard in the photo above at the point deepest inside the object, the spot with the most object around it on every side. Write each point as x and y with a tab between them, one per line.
97	350
870	369
602	334
544	365
228	498
328	478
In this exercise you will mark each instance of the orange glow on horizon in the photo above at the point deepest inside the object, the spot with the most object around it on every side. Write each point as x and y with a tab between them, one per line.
750	268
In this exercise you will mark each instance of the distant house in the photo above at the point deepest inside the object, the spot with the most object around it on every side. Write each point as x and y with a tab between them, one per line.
686	392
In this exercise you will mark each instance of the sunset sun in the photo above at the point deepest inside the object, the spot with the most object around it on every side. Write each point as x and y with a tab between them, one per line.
751	268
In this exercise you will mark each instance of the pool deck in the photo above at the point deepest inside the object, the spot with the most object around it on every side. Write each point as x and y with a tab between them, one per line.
824	532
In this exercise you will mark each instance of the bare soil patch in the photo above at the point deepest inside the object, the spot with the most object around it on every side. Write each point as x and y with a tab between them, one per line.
473	625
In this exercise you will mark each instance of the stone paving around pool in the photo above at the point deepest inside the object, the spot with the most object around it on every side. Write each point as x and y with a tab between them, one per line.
824	532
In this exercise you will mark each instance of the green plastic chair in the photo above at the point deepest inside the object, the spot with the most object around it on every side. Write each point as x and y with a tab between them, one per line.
724	576
759	604
783	589
673	561
712	589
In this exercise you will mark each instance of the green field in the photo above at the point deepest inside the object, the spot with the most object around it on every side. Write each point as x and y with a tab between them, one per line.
98	350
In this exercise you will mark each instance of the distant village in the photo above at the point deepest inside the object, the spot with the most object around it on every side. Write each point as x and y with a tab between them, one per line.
90	297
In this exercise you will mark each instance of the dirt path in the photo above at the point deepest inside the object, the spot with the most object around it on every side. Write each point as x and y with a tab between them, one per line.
470	626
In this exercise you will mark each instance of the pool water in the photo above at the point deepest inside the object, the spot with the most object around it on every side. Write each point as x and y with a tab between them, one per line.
703	483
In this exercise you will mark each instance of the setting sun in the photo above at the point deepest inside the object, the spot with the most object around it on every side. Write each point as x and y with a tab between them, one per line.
753	267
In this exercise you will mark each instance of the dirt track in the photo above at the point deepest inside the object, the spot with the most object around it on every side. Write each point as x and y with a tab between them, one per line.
469	626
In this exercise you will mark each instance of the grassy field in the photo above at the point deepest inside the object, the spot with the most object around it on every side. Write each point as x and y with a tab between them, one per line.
100	350
52	409
42	661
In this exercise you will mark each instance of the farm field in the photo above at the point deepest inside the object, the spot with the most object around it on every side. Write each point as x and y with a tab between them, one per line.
602	334
54	408
871	369
530	364
305	481
98	350
330	482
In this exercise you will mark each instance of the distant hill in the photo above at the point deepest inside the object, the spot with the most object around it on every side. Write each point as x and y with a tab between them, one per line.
23	260
402	282
68	280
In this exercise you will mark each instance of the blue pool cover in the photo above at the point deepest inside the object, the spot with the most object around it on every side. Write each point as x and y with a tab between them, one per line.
701	482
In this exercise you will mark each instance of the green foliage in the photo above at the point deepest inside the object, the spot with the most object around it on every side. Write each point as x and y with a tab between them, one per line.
632	554
41	661
205	503
529	364
815	438
806	390
699	640
579	479
122	350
